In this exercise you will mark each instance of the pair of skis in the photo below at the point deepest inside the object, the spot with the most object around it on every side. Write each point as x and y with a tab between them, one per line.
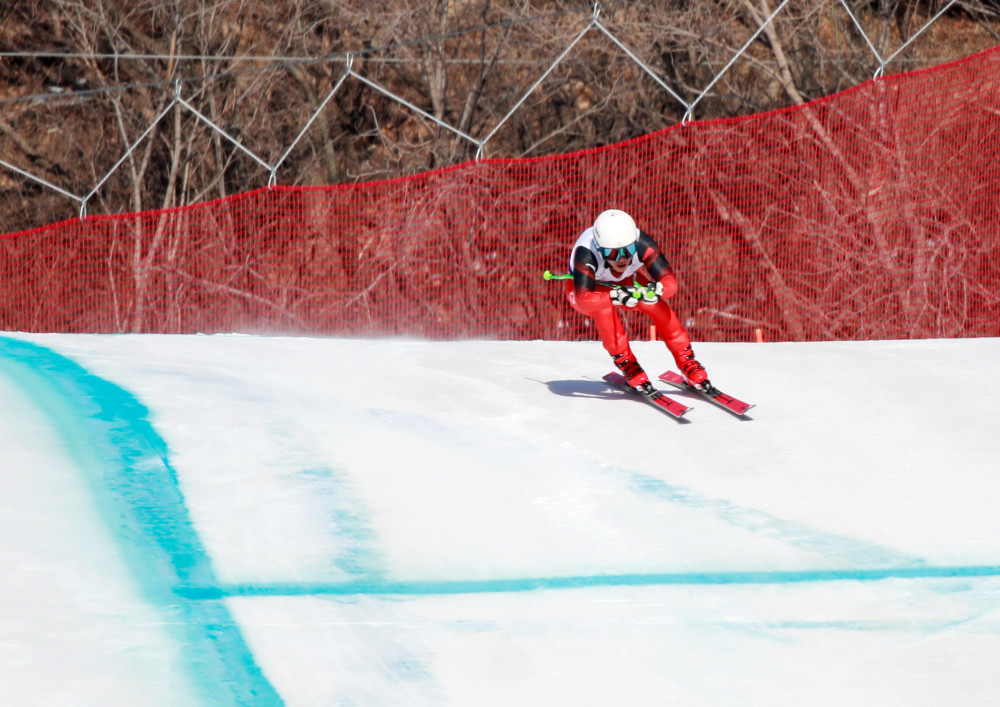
675	408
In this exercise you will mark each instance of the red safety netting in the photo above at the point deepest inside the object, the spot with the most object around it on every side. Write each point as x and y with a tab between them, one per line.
871	214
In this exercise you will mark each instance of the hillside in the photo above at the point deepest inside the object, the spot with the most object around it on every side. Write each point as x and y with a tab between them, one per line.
81	87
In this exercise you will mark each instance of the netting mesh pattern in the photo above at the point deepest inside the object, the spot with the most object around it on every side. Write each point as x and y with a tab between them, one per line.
871	214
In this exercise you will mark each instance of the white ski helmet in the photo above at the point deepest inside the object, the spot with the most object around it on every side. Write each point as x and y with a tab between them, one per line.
615	229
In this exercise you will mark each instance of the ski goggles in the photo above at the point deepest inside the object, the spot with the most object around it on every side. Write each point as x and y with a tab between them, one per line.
619	253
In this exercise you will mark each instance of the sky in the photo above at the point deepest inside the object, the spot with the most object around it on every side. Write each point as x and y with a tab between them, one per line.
251	520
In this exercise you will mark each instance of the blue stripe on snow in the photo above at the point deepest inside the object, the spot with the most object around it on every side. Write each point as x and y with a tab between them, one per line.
128	469
420	588
851	551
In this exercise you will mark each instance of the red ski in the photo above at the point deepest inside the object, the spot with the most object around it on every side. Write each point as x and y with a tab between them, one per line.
657	399
713	394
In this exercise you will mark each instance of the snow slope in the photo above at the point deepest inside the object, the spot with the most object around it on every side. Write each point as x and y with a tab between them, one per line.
262	520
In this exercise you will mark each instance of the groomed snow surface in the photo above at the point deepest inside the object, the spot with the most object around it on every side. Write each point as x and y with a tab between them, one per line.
237	520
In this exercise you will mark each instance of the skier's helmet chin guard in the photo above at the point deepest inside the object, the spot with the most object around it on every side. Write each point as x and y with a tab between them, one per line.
615	231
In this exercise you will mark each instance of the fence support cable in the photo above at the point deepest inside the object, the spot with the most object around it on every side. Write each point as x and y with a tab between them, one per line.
733	60
277	165
127	154
539	81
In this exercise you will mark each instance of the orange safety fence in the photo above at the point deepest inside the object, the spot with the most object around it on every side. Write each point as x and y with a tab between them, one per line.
870	214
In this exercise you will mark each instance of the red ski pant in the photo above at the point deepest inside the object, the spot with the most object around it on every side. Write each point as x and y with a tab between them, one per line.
612	330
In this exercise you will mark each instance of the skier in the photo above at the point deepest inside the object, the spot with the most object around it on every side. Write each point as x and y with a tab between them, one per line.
615	251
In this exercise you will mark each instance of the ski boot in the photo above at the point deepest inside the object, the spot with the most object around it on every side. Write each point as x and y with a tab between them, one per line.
633	373
695	374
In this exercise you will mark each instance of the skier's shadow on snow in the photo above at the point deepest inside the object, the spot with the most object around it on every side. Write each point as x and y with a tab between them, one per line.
583	389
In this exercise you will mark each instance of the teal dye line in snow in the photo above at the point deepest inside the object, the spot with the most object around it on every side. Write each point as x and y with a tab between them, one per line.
529	584
136	490
357	557
852	551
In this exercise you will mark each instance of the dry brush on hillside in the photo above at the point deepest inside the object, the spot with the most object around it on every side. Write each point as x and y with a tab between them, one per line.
136	105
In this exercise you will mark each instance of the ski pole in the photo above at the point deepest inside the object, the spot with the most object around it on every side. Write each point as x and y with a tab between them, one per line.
549	275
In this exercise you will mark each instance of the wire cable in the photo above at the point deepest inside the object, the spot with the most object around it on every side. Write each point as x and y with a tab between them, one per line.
276	62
